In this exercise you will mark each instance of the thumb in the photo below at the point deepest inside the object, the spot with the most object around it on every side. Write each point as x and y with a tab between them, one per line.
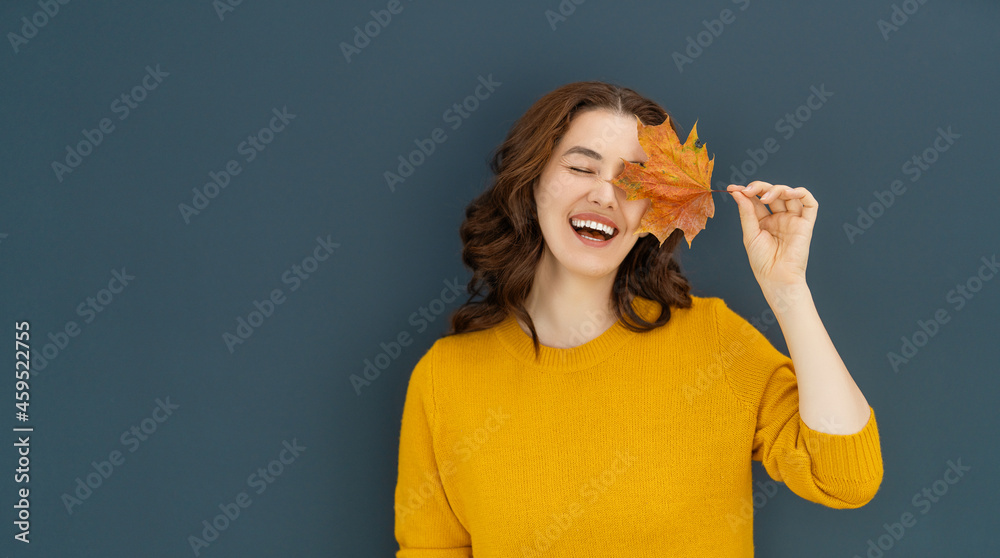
748	217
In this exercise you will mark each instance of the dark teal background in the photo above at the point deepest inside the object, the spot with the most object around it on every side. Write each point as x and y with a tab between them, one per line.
322	176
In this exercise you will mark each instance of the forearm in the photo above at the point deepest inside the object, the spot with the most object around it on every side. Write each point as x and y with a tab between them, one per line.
829	400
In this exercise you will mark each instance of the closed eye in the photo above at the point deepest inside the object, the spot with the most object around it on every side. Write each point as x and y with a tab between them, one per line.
585	171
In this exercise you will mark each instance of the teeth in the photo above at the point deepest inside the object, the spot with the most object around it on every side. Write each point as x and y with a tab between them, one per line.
594	225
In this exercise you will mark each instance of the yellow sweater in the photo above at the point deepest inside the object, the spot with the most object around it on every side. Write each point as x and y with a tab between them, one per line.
633	444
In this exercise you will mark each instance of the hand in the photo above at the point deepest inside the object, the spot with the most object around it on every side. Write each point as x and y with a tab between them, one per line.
777	243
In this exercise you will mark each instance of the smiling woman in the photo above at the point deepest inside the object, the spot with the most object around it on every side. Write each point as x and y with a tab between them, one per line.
554	167
582	334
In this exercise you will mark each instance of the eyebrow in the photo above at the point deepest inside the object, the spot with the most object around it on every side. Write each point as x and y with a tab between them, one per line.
585	152
589	153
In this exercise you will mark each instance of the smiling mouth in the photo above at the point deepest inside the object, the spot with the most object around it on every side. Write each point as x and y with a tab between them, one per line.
592	230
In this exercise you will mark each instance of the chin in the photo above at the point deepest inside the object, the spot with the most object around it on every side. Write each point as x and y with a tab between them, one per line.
592	267
584	261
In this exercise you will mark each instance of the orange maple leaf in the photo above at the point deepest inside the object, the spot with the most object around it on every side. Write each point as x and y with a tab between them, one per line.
675	177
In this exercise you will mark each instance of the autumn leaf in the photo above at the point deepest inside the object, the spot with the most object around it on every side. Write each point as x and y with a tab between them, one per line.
676	178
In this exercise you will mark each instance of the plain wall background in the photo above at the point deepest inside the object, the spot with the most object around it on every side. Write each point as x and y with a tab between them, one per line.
322	176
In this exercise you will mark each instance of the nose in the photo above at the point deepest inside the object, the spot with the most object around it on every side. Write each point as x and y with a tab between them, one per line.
603	192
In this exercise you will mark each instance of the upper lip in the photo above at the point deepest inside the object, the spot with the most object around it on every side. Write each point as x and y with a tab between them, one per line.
595	217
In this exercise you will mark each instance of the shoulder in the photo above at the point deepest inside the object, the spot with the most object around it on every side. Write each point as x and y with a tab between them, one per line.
703	308
732	322
711	322
731	325
705	305
460	347
695	323
710	306
461	343
447	354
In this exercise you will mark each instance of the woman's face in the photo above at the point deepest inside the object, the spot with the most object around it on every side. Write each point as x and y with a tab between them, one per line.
576	185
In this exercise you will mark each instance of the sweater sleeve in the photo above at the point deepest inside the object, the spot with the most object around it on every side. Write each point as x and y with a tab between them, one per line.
835	470
425	525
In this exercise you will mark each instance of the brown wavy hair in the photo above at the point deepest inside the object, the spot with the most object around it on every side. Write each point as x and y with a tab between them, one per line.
502	241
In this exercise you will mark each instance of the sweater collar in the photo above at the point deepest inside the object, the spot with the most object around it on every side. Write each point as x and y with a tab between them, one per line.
552	359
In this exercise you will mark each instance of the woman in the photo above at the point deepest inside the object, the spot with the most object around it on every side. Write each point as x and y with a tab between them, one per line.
588	405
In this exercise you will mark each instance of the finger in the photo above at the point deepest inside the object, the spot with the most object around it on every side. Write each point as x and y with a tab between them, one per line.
749	221
773	193
751	192
794	200
776	204
810	207
775	197
757	187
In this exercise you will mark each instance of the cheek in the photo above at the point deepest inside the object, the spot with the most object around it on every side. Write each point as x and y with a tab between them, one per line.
546	208
558	189
634	210
546	193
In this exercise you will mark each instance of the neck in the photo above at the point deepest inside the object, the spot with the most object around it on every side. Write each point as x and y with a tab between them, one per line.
566	308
